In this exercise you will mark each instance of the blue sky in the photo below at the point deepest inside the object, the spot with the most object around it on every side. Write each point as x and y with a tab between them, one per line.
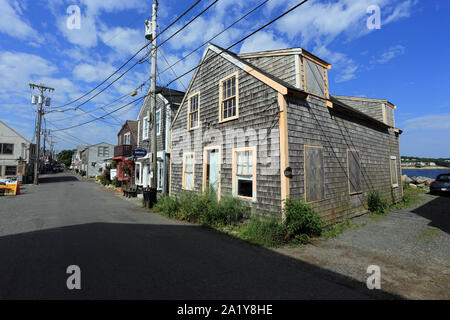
405	61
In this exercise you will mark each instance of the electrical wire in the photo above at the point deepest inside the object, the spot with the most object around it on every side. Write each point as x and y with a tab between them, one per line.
123	65
206	60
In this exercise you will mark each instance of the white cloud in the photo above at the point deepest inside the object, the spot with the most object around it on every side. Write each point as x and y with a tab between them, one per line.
263	41
390	54
317	24
14	24
91	73
18	69
124	41
95	6
86	36
428	123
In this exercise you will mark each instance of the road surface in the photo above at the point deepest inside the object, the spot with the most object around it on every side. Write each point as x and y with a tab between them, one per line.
126	252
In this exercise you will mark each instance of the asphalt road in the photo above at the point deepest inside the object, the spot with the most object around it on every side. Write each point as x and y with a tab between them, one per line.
125	252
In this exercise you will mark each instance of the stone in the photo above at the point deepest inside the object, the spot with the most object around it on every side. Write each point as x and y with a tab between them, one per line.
421	185
412	185
406	179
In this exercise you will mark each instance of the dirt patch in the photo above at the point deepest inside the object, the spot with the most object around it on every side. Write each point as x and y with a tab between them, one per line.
411	247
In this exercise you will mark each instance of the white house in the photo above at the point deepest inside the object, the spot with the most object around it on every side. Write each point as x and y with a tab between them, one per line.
16	153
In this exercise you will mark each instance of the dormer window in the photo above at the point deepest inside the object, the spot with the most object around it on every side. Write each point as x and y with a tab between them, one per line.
228	96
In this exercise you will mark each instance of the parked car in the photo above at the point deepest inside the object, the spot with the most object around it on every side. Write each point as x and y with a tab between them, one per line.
58	167
441	184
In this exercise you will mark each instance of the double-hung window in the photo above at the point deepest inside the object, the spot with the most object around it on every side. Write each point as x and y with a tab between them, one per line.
145	128
229	100
244	173
103	152
193	114
394	175
126	138
6	148
158	122
188	171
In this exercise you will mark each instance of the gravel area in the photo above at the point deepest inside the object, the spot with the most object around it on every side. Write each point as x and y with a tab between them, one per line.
412	248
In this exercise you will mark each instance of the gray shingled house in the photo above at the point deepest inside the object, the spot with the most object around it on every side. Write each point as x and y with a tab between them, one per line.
167	103
263	127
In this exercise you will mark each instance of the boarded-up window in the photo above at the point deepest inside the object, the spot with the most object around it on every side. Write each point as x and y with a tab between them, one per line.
394	176
354	171
314	174
315	81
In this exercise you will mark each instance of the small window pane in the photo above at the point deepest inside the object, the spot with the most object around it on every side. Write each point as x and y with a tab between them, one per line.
245	188
8	148
11	170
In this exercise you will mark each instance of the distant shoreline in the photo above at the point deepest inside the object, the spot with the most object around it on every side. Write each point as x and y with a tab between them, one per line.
427	168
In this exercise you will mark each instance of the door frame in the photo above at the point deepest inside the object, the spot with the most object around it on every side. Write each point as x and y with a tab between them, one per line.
205	167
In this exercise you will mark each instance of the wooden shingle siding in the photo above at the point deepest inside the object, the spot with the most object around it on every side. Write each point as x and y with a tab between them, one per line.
257	121
310	122
282	67
373	109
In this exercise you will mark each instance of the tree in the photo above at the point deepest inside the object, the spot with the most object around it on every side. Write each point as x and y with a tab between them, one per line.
65	156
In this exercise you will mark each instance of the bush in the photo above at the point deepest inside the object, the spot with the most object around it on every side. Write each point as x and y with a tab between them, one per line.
232	210
116	183
169	206
267	232
104	181
301	220
376	204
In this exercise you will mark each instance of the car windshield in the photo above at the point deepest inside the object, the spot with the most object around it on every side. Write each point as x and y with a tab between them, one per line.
444	177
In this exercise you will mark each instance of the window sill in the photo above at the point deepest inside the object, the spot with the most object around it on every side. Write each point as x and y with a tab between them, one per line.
355	193
394	186
315	201
228	119
193	128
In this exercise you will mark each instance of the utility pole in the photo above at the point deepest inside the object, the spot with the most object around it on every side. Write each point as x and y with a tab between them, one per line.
153	91
42	90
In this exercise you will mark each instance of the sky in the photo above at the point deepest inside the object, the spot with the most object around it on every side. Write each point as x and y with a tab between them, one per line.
403	61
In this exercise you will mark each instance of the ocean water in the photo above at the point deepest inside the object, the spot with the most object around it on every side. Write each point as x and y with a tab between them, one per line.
429	173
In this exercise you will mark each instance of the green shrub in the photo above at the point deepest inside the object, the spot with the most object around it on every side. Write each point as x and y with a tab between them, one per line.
167	205
301	220
267	232
189	205
116	183
376	204
232	210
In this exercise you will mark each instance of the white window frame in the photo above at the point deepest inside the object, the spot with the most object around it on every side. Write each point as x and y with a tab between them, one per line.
236	96
394	185
235	175
158	123
185	155
160	170
190	127
145	128
127	136
138	172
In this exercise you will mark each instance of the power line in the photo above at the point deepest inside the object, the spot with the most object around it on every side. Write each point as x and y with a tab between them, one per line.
123	65
120	108
241	40
206	60
218	34
142	59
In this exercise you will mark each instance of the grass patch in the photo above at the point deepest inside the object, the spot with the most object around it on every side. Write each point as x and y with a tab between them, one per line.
230	215
335	230
410	198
